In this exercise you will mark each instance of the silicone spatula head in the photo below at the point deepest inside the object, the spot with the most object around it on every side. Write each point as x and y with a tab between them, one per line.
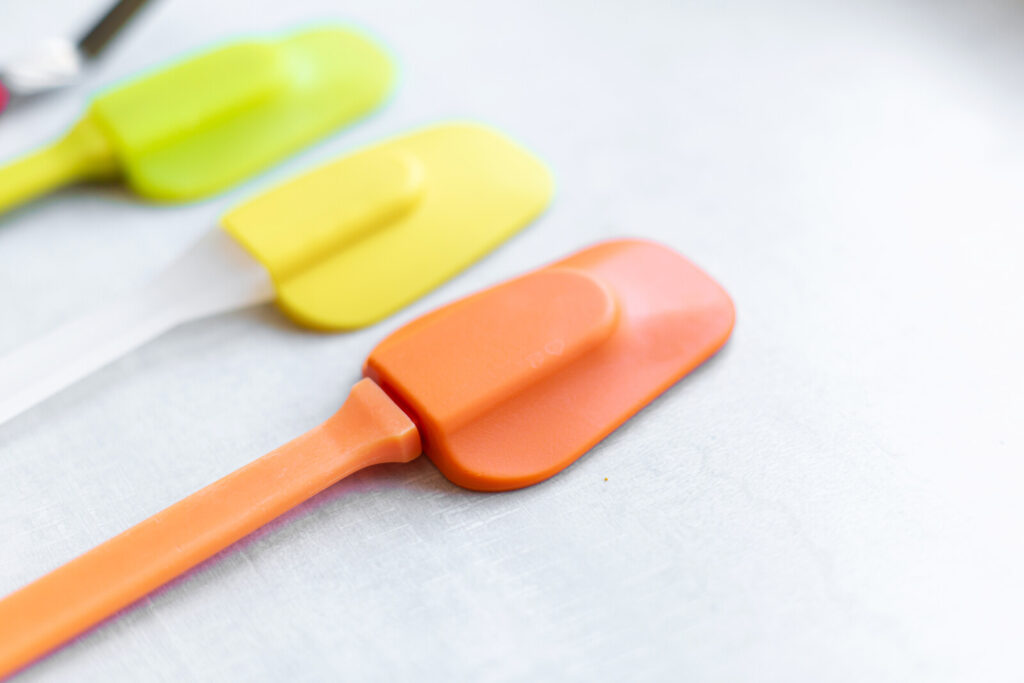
213	119
359	238
201	124
513	384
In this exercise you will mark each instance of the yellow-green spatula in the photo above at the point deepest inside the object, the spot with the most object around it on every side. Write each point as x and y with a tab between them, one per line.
210	120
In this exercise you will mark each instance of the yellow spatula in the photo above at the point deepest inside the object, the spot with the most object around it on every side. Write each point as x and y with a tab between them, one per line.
340	247
204	123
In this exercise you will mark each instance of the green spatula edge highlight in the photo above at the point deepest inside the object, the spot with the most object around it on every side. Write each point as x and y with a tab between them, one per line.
208	121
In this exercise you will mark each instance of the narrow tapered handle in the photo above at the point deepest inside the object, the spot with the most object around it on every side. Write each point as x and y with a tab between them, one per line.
369	429
84	153
74	350
214	276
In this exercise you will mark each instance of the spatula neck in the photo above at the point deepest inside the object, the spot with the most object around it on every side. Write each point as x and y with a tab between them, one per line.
84	153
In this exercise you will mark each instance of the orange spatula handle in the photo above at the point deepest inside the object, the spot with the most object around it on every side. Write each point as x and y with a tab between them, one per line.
369	429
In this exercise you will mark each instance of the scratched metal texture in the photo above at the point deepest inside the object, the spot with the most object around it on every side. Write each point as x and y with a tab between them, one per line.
835	497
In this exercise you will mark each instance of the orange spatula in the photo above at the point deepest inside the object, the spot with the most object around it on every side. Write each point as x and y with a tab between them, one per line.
501	390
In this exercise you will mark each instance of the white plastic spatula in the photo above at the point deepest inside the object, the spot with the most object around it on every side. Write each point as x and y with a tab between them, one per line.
338	248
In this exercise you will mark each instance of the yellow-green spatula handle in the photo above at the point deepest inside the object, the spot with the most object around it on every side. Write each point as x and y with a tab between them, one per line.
83	154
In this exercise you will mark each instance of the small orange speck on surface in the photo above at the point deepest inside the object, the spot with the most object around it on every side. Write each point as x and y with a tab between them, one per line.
606	478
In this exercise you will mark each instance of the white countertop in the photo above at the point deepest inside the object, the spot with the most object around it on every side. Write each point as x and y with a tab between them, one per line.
835	497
